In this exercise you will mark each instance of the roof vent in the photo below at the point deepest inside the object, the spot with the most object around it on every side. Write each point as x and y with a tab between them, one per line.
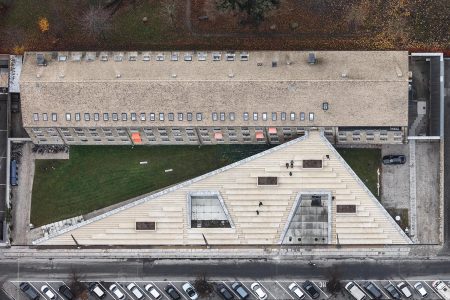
201	56
174	75
231	74
312	60
216	56
132	56
174	56
118	56
40	59
118	75
90	56
146	56
62	57
274	64
259	64
160	57
244	56
230	56
188	57
104	56
325	106
344	75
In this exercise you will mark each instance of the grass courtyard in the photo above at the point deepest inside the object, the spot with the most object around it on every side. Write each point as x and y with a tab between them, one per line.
365	163
98	176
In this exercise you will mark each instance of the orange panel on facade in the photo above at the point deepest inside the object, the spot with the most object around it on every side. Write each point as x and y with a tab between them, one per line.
259	135
136	137
218	136
272	130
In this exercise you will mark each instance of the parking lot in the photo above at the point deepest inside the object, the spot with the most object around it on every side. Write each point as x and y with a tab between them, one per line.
273	289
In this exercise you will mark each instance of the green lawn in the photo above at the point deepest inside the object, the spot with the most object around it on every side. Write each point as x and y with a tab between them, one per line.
365	163
98	176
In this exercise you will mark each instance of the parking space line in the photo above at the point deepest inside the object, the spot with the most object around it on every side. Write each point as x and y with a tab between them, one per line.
267	290
381	290
412	287
284	290
124	289
158	289
107	290
38	290
360	287
320	289
249	289
231	289
301	289
432	289
50	287
140	289
177	289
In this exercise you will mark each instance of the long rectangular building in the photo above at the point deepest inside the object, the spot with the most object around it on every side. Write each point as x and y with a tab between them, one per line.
214	97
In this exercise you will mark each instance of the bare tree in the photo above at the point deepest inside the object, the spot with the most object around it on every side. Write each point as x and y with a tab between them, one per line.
334	285
203	287
78	288
169	10
96	21
255	10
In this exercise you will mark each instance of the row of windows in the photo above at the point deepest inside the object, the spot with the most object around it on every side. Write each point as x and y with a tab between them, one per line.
222	116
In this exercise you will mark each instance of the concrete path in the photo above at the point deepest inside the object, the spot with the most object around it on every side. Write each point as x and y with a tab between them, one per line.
21	201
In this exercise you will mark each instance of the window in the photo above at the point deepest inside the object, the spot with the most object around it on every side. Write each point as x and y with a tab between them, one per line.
171	117
87	116
244	56
142	116
311	116
264	116
255	116
174	57
267	180
325	106
230	56
145	225
246	116
180	116
124	116
199	116
216	56
302	116
45	117
222	116
152	116
105	117
161	116
201	56
146	57
115	116
36	117
68	117
54	117
188	57
231	116
96	116
345	208
160	57
214	116
133	116
77	116
292	116
312	163
189	116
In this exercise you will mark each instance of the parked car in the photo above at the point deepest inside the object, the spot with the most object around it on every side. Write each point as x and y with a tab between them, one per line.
256	287
94	289
117	292
372	290
394	159
355	291
172	292
420	289
404	289
190	291
48	292
295	289
392	291
66	292
152	291
308	286
135	291
29	291
442	289
240	290
224	292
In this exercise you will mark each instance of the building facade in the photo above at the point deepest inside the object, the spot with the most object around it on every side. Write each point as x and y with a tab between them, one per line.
214	97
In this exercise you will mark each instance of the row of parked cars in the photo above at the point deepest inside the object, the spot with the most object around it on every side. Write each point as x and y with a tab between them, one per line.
395	291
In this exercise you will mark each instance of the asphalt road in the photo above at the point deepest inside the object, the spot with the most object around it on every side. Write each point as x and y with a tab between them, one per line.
262	270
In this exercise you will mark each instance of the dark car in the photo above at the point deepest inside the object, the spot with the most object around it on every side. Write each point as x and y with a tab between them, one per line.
66	292
308	286
392	291
224	292
172	292
240	290
372	290
394	159
29	291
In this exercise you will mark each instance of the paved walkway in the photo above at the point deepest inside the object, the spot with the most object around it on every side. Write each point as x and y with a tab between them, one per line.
412	191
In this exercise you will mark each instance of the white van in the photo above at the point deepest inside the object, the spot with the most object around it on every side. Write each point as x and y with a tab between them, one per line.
355	291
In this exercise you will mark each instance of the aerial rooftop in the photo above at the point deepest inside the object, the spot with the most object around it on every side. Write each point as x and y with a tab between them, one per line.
360	88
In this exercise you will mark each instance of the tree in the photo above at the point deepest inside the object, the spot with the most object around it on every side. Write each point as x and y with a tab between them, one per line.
78	288
168	11
43	24
334	285
254	9
96	21
203	287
